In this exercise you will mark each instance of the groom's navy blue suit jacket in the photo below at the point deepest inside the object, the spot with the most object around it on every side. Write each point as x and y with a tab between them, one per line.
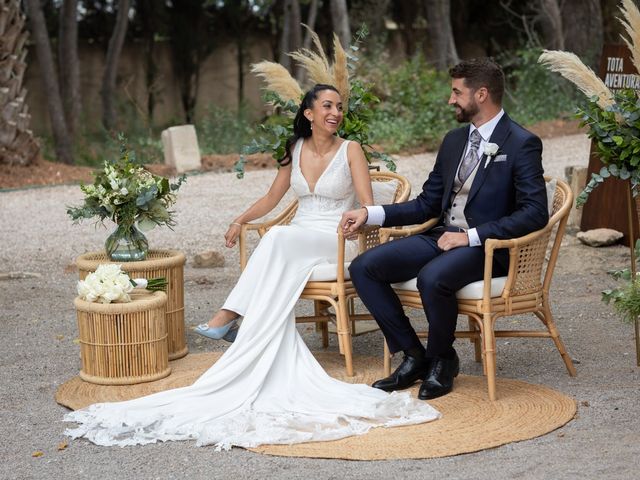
507	198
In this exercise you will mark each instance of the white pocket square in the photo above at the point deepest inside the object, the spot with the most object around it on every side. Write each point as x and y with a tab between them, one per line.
501	158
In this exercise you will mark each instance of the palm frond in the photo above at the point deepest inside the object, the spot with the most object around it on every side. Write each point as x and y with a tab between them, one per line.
631	23
278	79
571	67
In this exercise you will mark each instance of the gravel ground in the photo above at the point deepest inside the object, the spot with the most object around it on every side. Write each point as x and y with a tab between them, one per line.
38	328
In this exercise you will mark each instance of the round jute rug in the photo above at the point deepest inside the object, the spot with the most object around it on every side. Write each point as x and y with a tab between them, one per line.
470	422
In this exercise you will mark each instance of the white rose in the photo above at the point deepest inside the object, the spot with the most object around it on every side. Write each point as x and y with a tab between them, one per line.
490	149
86	292
124	191
124	283
108	271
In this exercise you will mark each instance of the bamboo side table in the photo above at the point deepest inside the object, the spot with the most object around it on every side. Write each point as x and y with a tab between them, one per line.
159	263
123	343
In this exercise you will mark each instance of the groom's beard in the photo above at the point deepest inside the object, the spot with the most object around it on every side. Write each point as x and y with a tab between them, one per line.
464	115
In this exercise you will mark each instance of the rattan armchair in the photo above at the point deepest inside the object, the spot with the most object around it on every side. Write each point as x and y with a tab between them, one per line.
334	289
525	289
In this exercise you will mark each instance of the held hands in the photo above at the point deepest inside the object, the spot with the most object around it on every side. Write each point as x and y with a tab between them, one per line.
352	221
231	237
451	240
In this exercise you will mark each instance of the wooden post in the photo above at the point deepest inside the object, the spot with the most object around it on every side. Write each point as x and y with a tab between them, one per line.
630	211
606	205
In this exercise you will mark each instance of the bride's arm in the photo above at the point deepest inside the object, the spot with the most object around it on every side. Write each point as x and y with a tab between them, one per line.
360	173
261	207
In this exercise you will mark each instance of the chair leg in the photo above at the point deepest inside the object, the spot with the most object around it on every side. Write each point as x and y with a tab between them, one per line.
475	340
547	318
344	333
321	309
387	360
489	355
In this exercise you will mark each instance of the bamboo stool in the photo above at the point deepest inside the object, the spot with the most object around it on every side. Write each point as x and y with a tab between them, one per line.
159	263
124	343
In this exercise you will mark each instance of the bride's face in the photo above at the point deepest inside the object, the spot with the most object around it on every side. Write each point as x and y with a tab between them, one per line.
326	112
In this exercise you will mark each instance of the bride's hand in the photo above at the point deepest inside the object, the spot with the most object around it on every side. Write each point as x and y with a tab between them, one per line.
232	235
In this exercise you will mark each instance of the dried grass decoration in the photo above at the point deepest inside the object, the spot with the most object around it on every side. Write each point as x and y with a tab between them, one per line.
284	93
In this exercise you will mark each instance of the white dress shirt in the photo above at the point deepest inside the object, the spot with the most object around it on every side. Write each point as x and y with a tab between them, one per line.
376	213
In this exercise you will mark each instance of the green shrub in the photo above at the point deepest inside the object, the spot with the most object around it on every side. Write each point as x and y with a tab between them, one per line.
224	131
413	112
533	93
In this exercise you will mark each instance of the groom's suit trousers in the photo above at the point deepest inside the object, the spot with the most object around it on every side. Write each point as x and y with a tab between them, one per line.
440	275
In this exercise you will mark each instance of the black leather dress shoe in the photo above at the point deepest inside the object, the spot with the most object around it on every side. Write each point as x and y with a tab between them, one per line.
409	372
439	379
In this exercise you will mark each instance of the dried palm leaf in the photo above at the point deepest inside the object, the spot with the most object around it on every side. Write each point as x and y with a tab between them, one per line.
279	80
571	67
340	70
631	23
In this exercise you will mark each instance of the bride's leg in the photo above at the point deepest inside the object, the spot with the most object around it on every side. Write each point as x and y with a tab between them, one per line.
222	317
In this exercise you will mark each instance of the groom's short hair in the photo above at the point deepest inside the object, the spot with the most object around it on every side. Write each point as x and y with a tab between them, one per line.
481	72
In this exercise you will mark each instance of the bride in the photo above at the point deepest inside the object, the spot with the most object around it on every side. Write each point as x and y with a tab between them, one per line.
268	388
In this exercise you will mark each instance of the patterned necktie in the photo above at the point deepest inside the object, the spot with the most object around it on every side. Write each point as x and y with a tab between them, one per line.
471	159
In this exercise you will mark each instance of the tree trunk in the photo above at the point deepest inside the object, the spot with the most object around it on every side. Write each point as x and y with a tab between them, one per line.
551	21
301	73
444	50
340	21
61	137
285	36
69	64
111	65
408	15
583	29
311	22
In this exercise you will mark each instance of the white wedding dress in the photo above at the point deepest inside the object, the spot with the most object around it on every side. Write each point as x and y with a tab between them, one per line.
267	388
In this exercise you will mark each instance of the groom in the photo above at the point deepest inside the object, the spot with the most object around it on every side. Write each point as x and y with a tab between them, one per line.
487	182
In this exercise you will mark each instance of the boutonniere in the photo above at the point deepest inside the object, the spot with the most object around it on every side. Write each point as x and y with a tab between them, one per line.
490	150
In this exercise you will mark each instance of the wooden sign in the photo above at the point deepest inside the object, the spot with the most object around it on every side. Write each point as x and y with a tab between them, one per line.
607	204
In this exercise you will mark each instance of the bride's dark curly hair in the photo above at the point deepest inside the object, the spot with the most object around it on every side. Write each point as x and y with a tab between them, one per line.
301	125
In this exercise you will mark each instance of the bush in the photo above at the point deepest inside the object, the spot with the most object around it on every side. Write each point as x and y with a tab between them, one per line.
413	112
224	131
534	93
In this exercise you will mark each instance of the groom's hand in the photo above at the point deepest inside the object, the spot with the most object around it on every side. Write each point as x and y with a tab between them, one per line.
450	240
352	221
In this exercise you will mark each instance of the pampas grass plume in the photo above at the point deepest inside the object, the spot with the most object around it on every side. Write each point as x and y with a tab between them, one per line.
279	80
571	67
340	70
631	23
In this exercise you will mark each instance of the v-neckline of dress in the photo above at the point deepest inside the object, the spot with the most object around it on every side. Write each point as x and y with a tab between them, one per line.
315	185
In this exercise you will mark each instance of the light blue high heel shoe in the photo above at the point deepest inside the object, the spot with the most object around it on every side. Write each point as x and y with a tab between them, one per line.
214	332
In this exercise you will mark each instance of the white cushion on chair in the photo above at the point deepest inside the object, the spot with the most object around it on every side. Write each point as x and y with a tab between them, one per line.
326	272
384	192
471	291
551	190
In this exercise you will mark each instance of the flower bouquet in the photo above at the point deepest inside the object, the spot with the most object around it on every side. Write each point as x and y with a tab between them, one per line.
110	284
127	193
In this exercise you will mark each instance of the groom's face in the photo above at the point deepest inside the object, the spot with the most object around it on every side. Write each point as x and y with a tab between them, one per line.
463	99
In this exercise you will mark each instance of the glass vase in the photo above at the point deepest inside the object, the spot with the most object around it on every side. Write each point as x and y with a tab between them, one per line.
127	244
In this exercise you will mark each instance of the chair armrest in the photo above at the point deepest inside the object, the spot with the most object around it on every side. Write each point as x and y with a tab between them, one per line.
514	245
